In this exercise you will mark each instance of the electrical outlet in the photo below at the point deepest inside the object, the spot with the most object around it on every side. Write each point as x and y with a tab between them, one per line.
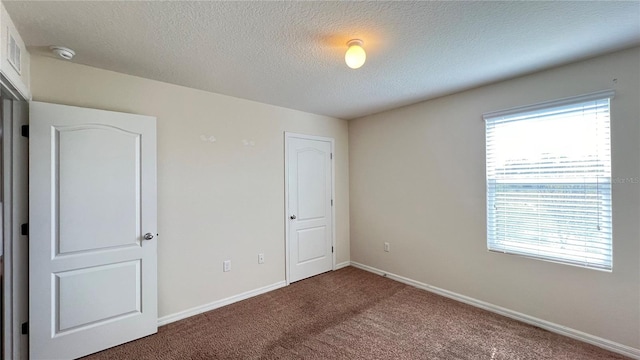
386	247
226	265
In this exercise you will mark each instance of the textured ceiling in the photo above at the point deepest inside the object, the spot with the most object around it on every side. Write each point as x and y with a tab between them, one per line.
291	54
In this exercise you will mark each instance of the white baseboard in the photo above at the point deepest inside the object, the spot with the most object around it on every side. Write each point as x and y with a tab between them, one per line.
227	301
217	304
556	328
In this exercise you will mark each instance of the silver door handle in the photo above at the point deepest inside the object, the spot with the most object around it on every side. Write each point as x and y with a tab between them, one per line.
148	236
292	217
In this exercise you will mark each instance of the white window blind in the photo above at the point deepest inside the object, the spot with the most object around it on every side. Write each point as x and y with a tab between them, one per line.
549	181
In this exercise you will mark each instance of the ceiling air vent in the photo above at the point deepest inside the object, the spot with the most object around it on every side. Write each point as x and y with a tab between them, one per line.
13	53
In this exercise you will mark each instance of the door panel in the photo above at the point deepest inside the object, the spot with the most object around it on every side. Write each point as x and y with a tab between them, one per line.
311	192
310	217
115	185
311	244
118	295
92	276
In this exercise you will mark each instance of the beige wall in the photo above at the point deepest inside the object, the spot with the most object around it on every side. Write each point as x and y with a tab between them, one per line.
216	201
417	180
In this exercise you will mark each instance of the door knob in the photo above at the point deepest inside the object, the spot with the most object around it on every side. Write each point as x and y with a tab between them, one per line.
148	236
293	217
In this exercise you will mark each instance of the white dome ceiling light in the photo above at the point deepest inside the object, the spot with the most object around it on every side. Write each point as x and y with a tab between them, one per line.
355	55
63	52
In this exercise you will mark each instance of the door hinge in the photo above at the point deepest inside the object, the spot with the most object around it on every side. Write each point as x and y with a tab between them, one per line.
25	130
331	157
332	249
24	229
331	202
25	328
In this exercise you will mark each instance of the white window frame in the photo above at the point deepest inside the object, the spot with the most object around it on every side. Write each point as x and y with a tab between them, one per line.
496	243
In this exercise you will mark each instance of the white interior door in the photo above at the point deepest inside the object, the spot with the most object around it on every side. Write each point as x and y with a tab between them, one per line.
309	205
92	269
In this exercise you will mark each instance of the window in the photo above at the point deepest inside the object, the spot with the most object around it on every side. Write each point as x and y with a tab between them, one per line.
549	181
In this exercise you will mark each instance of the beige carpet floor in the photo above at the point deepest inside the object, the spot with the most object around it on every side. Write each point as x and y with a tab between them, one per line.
352	314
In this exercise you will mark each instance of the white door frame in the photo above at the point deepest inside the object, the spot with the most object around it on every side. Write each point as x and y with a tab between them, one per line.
14	212
287	136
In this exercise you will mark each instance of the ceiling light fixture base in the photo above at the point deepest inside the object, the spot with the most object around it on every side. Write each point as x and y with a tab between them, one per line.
352	42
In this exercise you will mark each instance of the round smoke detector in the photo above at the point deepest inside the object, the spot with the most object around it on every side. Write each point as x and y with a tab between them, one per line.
63	52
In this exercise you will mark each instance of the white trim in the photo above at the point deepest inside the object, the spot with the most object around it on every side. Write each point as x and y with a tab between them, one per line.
15	155
228	301
547	325
546	104
8	329
10	91
287	136
287	274
218	304
334	246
